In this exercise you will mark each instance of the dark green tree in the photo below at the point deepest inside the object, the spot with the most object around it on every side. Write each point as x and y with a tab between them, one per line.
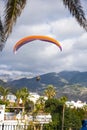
72	116
22	94
4	92
54	107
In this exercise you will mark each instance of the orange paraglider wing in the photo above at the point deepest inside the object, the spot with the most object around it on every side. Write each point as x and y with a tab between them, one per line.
27	39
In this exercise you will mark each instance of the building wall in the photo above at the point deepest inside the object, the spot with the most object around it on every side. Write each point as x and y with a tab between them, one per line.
2	111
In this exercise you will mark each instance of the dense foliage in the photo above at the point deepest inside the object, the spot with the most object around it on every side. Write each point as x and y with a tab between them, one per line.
72	116
62	116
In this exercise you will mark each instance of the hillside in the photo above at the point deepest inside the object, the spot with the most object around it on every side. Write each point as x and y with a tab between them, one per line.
72	84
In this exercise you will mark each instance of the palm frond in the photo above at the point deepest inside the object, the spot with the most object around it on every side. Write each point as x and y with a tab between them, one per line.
77	11
12	11
2	36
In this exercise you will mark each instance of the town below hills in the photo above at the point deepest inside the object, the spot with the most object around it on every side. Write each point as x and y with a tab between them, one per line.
72	84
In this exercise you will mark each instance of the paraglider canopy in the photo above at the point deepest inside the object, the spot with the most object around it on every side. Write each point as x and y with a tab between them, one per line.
28	39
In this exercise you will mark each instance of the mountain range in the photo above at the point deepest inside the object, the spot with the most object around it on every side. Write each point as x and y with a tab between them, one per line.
72	84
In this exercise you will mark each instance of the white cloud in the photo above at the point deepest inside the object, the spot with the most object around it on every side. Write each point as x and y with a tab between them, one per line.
46	18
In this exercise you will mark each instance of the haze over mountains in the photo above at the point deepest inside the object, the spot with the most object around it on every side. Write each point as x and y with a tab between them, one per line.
72	84
8	75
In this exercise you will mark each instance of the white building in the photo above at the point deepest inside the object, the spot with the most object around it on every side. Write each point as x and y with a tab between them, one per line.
34	97
78	104
2	111
44	118
12	98
8	118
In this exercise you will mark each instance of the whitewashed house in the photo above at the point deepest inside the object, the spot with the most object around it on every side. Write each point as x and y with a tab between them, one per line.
78	104
11	97
34	97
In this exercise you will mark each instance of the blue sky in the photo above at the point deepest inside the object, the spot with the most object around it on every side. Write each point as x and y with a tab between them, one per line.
51	18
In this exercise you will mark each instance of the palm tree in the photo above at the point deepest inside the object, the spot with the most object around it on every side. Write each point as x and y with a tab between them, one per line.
76	10
4	92
62	101
22	94
2	36
40	104
13	9
18	96
50	92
